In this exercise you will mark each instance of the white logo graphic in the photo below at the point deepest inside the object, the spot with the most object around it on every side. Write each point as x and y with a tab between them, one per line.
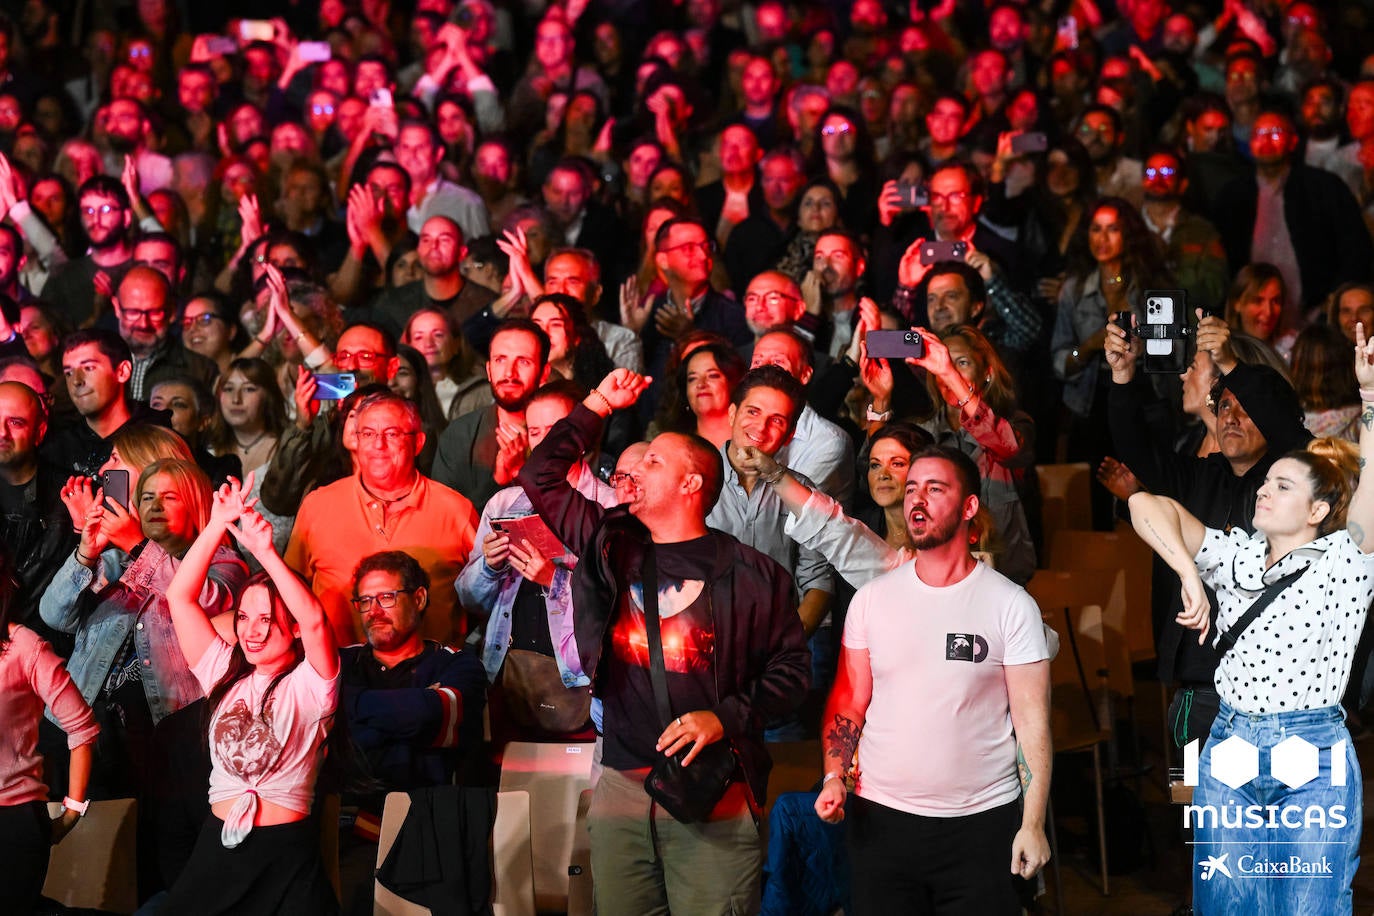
1293	762
1215	864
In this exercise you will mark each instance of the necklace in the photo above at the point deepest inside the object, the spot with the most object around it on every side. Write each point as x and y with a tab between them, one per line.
249	447
1113	281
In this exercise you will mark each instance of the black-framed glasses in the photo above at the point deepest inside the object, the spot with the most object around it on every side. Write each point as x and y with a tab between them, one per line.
203	321
772	298
390	436
385	600
618	478
707	246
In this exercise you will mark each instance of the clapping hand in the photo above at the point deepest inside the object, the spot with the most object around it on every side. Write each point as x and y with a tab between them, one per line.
78	496
512	445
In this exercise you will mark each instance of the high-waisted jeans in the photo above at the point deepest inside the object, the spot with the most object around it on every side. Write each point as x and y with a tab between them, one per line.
1265	849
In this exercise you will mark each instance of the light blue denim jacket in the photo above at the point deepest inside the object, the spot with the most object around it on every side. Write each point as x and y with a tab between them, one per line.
488	592
129	598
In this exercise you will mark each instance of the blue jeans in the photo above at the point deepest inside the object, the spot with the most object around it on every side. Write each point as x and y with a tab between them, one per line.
1266	849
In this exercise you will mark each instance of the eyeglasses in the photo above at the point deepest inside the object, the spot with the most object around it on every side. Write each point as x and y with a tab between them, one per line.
322	109
364	359
390	436
772	297
831	130
140	315
385	600
1273	133
203	321
706	246
1087	130
618	478
1164	171
102	210
953	197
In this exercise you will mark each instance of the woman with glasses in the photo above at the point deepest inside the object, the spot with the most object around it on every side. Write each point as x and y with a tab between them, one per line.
844	153
210	327
272	689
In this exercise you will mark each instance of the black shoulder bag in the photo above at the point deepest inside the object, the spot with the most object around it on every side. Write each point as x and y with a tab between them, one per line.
688	793
1226	641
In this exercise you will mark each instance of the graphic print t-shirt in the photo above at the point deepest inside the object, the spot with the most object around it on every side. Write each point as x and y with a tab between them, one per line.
273	750
632	724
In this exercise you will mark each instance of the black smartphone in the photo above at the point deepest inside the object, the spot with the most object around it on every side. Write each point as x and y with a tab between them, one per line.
334	386
914	196
1123	321
116	486
1034	142
895	345
933	252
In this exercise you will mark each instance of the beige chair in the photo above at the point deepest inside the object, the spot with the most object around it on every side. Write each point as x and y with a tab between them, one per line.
1121	549
1064	499
555	776
511	860
1080	707
96	867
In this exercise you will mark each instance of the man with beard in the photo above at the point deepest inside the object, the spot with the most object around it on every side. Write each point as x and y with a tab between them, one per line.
127	126
377	206
483	450
759	86
1321	118
145	309
441	285
938	795
1192	245
727	202
106	217
839	263
1100	132
567	193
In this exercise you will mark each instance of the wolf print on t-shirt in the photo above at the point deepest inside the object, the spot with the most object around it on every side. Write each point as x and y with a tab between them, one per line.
245	743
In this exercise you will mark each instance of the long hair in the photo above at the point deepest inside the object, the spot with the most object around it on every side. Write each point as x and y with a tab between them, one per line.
239	666
260	373
141	444
1142	259
431	414
997	390
590	364
190	483
675	415
1322	372
1249	280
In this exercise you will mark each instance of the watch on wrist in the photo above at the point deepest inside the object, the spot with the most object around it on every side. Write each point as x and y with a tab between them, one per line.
876	417
79	807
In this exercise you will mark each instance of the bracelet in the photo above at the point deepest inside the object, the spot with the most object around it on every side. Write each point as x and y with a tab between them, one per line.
834	774
1367	395
604	400
775	475
972	393
82	558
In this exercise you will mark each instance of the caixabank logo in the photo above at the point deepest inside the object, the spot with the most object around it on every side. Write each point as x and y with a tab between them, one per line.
1294	762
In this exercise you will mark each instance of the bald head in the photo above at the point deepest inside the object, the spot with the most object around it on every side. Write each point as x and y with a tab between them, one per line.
141	305
23	423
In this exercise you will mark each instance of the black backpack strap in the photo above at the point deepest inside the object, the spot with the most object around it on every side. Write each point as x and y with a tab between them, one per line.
658	676
1226	641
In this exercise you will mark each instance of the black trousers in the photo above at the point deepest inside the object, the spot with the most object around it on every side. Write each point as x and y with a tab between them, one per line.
25	842
908	864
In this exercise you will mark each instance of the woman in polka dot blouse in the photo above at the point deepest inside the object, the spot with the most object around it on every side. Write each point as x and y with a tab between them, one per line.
1292	812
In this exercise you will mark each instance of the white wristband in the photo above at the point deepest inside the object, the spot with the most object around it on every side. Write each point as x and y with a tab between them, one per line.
832	775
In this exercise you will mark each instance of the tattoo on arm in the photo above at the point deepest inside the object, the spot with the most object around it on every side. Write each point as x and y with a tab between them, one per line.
1356	533
1367	418
1163	545
1361	464
1023	769
842	740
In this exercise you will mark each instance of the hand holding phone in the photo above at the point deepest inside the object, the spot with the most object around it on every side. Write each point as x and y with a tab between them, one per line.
935	251
256	30
913	196
895	344
116	486
334	386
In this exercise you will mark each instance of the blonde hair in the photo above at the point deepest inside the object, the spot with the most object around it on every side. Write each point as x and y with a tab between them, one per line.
141	444
190	484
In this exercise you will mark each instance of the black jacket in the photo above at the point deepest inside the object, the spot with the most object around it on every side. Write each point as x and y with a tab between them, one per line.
761	664
1206	487
1324	222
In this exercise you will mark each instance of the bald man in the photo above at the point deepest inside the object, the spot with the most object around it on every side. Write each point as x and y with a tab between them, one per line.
144	306
34	526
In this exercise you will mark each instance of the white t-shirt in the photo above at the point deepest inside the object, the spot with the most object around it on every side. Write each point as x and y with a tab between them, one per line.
277	758
937	738
1298	652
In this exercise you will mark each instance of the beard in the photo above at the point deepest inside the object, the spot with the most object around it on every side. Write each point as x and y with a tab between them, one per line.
509	404
123	145
936	534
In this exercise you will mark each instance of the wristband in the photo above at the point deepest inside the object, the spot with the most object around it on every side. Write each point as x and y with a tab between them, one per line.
876	417
835	774
1367	395
79	807
82	558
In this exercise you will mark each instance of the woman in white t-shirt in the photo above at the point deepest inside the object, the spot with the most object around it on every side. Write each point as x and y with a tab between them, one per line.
1295	810
273	697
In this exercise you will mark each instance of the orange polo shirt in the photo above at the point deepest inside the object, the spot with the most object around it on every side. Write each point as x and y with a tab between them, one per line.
340	524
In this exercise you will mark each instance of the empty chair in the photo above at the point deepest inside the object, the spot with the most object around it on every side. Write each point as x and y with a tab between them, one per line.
95	867
1064	499
555	776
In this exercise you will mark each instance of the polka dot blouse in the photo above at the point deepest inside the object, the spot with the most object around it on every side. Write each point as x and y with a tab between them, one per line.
1298	653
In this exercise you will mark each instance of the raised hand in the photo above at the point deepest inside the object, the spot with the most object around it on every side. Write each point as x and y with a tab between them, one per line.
672	321
10	194
120	526
94	540
306	405
634	308
254	534
1364	357
78	495
1214	337
251	217
812	290
910	271
512	446
889	203
876	376
1121	351
1118	479
231	501
621	388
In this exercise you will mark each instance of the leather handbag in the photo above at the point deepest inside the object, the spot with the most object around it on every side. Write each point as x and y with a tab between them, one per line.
536	697
688	792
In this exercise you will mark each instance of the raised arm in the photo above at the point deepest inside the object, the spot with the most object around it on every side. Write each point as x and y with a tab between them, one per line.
1360	517
1174	534
194	631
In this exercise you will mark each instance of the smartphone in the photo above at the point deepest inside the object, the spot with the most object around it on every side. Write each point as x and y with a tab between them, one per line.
334	386
1164	329
1123	321
116	485
914	196
895	345
222	46
1068	31
935	251
381	98
1034	142
313	52
256	30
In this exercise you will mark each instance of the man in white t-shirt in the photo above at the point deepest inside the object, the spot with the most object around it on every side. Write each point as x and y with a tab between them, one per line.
943	691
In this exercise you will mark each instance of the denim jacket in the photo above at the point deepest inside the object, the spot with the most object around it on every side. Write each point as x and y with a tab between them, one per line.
102	606
491	592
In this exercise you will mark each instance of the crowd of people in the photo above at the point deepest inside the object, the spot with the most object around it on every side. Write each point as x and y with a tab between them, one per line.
382	382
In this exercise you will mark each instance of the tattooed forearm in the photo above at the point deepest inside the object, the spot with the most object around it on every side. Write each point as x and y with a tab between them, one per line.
842	740
1023	769
1160	544
1367	418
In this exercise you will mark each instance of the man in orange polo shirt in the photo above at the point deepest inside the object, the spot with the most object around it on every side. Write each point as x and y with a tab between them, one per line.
386	505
